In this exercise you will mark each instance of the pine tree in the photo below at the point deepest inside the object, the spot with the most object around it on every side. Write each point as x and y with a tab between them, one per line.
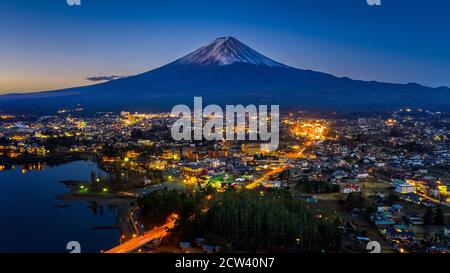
428	216
438	219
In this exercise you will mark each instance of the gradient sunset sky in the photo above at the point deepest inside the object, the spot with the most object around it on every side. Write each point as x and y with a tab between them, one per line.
47	44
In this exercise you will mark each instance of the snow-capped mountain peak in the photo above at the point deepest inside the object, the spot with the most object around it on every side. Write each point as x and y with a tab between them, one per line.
225	51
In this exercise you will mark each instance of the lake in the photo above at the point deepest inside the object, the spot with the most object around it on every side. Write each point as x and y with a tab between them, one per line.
30	222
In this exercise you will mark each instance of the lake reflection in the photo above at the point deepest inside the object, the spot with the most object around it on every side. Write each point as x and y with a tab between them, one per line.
32	219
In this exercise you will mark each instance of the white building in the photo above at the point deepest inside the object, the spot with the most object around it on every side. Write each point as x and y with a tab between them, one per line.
403	187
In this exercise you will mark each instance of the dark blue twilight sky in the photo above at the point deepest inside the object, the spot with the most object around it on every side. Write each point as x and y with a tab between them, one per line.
46	44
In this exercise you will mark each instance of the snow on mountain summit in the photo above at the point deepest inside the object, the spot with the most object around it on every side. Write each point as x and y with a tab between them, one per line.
225	51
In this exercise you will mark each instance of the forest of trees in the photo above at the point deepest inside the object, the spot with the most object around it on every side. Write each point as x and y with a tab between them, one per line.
270	219
316	187
158	205
434	217
356	200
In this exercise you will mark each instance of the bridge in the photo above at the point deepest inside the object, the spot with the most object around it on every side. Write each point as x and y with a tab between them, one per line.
149	236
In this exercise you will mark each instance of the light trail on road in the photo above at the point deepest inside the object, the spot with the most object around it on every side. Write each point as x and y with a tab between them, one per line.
147	237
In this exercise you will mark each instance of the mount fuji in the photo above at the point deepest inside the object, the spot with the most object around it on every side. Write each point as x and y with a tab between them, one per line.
226	51
227	71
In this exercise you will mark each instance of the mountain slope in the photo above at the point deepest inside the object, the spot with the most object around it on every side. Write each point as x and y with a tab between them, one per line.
225	51
229	72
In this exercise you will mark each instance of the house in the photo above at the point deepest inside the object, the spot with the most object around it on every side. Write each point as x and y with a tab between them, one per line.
309	199
381	219
403	187
447	231
349	188
438	248
414	219
362	175
399	233
208	248
200	241
396	208
412	197
273	184
185	245
417	199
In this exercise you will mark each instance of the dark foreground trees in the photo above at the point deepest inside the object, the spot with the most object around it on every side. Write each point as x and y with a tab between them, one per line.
269	219
434	217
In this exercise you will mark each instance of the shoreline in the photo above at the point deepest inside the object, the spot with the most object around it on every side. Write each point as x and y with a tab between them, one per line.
126	223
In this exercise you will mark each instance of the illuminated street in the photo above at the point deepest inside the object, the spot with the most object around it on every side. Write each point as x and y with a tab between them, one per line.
135	243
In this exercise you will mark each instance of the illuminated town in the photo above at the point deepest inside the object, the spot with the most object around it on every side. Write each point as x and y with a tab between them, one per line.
225	136
380	177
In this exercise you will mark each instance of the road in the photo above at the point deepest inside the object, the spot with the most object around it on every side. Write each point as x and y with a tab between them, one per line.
266	176
147	237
